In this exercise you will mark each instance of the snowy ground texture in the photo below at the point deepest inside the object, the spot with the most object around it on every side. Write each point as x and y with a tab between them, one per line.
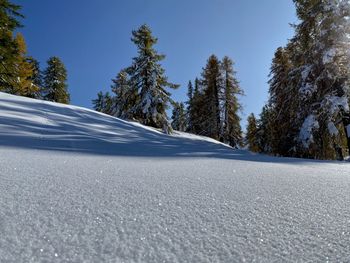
79	186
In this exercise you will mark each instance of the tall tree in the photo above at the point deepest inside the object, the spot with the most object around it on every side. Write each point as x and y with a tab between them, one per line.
55	81
212	84
147	78
9	50
190	107
124	98
231	128
251	135
23	85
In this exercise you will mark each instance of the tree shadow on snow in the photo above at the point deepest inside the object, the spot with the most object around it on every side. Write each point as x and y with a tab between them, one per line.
45	126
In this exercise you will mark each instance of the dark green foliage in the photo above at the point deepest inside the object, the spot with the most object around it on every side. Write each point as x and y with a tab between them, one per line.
148	81
55	81
251	138
9	50
179	117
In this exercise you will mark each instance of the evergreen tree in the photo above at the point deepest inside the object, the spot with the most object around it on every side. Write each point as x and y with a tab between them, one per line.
212	84
55	81
190	107
24	71
232	132
264	131
325	86
198	109
103	103
36	77
148	80
124	98
9	50
108	104
99	103
179	117
281	104
251	136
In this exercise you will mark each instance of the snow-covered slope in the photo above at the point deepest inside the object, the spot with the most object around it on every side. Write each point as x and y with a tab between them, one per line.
79	186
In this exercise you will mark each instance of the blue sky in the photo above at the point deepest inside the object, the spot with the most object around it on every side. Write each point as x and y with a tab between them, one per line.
93	39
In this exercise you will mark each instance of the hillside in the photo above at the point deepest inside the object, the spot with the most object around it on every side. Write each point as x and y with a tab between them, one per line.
77	185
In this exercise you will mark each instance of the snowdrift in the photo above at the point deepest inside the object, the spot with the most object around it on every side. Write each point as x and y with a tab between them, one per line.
37	124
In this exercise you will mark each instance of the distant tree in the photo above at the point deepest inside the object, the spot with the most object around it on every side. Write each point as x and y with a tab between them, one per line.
36	78
189	110
264	133
124	98
231	128
148	80
198	109
103	103
251	135
55	81
212	84
99	103
179	117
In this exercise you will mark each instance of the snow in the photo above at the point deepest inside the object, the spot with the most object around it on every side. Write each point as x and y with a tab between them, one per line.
348	130
80	186
329	55
332	129
309	125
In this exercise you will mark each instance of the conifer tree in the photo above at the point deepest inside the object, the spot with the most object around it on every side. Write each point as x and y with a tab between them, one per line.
9	50
325	86
179	117
251	135
36	77
23	85
212	83
264	131
190	107
55	81
281	104
231	128
124	98
98	104
148	80
198	109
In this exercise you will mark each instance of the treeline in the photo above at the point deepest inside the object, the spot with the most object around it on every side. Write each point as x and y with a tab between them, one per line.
20	74
140	92
307	114
213	106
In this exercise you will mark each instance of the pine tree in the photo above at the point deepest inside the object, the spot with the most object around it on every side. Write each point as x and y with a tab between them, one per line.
55	81
23	85
251	135
99	103
232	132
264	131
325	86
124	98
36	77
281	104
9	50
212	83
148	80
179	117
190	107
198	109
108	103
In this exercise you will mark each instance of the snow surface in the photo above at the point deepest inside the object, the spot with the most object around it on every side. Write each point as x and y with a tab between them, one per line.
80	186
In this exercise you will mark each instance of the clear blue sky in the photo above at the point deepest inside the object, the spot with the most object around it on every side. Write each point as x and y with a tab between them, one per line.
93	39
